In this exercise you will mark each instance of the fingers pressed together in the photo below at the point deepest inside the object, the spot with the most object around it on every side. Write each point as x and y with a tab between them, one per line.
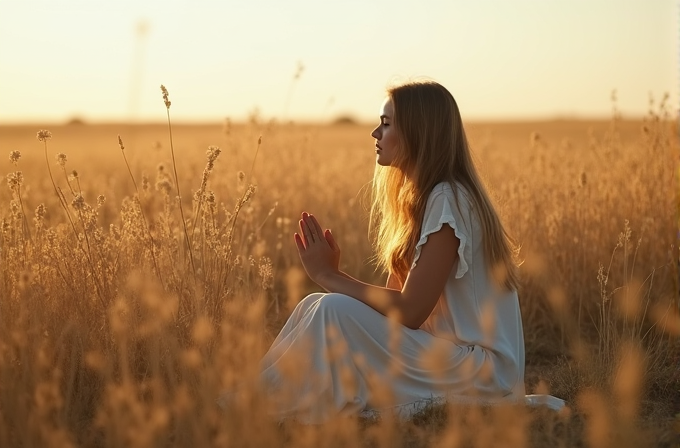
311	233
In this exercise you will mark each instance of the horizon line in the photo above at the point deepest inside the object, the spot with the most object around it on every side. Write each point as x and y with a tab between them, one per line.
347	120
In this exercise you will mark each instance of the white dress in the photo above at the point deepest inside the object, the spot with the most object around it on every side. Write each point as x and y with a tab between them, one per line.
337	355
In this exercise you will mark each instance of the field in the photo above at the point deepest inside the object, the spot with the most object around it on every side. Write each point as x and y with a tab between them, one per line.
116	332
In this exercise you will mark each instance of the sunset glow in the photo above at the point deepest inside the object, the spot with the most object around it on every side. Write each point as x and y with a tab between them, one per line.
522	59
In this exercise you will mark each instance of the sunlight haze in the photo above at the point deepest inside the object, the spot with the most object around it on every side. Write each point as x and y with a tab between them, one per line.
105	61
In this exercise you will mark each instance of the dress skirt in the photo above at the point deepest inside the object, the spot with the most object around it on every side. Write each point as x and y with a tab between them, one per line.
336	355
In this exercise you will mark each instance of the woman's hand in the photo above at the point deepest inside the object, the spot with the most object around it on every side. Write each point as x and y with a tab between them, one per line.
319	253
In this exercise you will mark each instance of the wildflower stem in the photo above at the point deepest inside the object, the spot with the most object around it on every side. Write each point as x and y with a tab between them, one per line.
24	221
63	203
179	196
241	202
122	151
49	170
95	278
58	192
246	194
141	209
68	182
252	167
212	154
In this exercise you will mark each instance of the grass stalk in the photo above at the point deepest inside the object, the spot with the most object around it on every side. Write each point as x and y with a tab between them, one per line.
141	210
174	169
43	136
249	191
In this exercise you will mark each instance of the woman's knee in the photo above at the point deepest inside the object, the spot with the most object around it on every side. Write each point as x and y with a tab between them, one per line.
337	303
313	297
304	304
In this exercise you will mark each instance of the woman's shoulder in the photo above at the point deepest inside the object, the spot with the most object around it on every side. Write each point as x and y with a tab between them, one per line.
453	191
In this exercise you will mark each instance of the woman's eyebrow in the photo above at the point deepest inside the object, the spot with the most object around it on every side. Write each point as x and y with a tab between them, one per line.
384	116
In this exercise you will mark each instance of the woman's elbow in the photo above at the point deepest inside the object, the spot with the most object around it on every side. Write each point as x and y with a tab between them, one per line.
412	321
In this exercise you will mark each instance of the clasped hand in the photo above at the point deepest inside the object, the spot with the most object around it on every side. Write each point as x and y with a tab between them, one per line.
319	253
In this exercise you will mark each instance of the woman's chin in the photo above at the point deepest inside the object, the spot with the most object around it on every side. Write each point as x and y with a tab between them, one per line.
381	161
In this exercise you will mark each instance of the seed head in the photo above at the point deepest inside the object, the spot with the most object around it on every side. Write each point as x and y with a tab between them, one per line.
78	202
266	273
100	200
41	211
39	218
212	153
14	180
249	193
120	143
73	175
165	97
14	157
61	159
241	176
44	135
164	185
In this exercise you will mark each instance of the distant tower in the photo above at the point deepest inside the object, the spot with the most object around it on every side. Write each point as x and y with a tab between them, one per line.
137	69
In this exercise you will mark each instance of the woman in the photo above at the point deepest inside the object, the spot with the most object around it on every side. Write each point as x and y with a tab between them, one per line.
447	324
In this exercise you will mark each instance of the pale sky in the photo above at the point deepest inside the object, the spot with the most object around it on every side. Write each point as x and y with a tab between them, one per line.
501	59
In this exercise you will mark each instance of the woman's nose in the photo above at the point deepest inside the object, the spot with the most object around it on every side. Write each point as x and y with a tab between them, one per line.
375	134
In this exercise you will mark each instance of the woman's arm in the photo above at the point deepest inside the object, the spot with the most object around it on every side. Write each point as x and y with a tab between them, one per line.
344	275
393	283
411	305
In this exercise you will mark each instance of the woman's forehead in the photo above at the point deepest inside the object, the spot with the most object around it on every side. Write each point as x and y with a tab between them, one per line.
387	108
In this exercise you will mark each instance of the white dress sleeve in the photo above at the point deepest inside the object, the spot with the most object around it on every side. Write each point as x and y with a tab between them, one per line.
442	209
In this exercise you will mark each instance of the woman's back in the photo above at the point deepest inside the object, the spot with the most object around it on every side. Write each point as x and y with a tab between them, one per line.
474	311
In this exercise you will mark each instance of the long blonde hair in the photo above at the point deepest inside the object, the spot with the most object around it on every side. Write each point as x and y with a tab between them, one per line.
432	148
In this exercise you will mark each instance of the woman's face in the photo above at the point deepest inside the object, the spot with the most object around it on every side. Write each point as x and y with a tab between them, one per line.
385	135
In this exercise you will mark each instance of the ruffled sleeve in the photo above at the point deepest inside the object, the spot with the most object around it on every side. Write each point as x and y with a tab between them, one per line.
442	209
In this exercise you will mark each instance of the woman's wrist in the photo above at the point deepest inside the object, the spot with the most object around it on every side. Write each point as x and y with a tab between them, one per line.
325	278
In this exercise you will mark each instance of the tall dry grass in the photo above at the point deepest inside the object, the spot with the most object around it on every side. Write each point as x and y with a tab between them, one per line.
125	310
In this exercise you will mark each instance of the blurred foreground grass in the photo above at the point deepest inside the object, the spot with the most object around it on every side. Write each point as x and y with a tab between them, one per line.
114	333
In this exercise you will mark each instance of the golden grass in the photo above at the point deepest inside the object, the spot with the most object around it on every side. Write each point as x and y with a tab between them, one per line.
110	337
